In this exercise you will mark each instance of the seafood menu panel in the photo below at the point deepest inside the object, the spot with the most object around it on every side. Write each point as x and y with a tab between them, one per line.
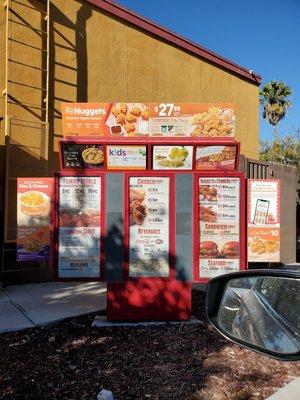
33	218
79	229
149	226
219	226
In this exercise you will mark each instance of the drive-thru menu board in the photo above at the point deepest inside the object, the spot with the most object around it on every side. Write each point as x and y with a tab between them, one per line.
219	225
79	229
149	226
263	220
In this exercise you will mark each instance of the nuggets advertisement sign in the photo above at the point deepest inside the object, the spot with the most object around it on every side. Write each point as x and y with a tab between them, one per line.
263	220
105	119
149	119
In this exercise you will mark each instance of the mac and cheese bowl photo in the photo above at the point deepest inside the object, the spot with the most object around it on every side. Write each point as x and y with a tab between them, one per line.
34	203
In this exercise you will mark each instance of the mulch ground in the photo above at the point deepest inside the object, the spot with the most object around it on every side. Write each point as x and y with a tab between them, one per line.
70	360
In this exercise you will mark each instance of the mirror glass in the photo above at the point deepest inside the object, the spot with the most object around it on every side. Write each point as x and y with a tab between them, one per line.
263	311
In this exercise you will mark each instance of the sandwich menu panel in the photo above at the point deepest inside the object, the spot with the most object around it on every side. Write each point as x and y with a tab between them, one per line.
219	225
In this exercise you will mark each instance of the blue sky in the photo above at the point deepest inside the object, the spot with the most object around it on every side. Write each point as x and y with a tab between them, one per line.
263	35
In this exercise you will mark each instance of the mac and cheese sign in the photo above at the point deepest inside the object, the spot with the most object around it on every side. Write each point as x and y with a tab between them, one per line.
33	218
263	220
149	119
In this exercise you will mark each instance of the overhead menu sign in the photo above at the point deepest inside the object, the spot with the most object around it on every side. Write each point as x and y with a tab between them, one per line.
263	220
198	120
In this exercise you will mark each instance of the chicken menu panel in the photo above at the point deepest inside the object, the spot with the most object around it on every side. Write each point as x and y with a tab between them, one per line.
149	226
219	226
79	230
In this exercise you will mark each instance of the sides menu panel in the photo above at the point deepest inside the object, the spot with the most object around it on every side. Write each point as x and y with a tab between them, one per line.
219	225
79	227
149	244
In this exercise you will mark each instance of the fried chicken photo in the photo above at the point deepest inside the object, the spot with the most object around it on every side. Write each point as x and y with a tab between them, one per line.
138	209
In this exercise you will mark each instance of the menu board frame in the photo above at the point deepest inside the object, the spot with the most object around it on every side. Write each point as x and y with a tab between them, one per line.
196	231
172	142
150	174
102	201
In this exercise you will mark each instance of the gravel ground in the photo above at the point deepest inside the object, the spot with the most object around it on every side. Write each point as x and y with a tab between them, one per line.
70	360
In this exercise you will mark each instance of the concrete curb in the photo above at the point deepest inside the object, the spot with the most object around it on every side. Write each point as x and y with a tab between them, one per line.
289	392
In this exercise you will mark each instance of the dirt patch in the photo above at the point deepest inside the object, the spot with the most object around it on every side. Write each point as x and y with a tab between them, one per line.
70	360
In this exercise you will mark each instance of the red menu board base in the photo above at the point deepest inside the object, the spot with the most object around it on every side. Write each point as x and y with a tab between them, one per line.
149	299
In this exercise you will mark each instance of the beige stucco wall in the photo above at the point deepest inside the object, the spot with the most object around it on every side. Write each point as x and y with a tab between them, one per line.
118	62
95	57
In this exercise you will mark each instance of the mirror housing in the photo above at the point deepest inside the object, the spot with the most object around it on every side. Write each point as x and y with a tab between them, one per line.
215	298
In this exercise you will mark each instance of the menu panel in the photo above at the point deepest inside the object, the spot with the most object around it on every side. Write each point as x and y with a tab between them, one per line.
172	157
77	155
79	231
263	220
219	226
149	226
124	157
192	119
216	158
33	218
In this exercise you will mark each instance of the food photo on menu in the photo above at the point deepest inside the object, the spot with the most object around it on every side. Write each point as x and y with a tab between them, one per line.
138	208
128	119
172	157
216	157
83	155
215	122
79	217
210	249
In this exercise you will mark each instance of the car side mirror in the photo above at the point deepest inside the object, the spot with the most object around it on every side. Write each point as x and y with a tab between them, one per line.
258	309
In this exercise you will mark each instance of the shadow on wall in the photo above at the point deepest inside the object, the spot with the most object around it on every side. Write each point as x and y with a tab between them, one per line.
71	77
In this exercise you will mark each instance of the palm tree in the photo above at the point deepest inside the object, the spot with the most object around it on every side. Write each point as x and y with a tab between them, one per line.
274	97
